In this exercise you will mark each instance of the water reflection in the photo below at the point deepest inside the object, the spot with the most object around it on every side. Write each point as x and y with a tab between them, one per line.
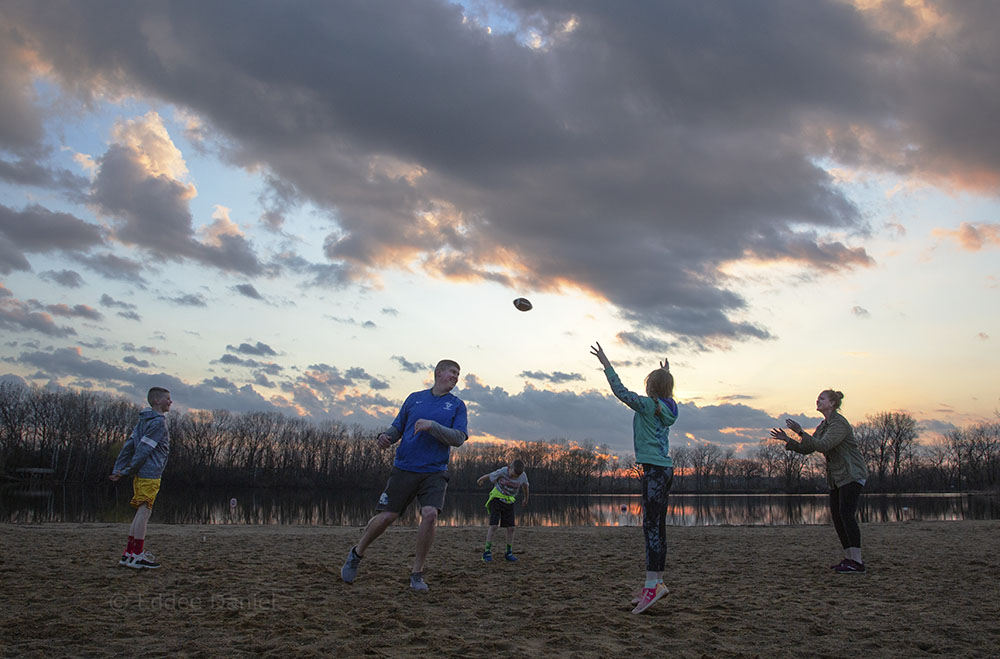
29	504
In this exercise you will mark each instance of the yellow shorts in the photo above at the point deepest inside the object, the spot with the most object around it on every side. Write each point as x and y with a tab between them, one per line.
144	490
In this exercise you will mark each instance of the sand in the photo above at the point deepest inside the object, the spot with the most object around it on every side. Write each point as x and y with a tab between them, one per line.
933	588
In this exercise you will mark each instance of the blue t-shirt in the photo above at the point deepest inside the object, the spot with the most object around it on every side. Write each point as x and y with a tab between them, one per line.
420	451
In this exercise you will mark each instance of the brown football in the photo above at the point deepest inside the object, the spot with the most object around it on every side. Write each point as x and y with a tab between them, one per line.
522	304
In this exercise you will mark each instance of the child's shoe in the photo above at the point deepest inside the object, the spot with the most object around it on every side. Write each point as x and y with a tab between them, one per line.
487	556
143	561
649	596
510	556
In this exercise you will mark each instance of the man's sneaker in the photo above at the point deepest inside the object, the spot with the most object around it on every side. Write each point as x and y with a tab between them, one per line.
834	567
350	570
649	596
143	561
126	557
487	556
417	582
510	556
850	567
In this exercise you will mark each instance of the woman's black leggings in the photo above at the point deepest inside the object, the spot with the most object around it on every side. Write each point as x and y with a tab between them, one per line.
656	482
844	510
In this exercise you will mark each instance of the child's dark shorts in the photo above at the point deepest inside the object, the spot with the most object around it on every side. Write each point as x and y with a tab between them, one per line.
404	486
501	513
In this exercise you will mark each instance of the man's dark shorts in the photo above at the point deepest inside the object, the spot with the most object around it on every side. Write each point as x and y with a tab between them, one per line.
404	486
501	513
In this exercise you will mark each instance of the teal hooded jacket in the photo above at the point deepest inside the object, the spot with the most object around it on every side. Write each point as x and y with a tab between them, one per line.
650	431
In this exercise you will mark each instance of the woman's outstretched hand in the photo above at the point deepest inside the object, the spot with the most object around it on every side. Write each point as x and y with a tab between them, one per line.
781	435
598	352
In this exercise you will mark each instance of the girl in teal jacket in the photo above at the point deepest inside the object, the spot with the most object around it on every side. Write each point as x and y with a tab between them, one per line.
654	414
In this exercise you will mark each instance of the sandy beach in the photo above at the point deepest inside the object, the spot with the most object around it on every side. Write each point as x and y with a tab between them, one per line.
932	589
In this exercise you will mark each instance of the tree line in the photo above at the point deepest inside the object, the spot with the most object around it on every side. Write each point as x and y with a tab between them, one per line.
75	436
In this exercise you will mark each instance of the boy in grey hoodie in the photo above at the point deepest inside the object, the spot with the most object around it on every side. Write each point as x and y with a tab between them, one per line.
144	456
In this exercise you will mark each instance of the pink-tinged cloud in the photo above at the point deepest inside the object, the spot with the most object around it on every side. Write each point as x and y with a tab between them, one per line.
973	236
19	316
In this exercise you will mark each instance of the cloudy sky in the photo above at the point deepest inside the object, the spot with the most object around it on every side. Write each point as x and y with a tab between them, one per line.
302	206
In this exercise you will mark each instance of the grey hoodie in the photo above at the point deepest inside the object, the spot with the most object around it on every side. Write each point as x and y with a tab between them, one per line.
146	450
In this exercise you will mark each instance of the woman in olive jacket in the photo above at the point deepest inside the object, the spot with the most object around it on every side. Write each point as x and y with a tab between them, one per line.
846	472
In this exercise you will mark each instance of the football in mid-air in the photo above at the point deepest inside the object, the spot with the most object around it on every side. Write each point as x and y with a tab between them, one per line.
522	304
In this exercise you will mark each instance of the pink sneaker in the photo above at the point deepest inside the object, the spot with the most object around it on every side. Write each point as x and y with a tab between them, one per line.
649	596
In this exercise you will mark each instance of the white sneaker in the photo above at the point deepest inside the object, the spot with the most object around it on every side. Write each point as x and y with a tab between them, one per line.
143	561
126	559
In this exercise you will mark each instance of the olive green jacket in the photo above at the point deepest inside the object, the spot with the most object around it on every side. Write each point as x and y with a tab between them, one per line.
834	438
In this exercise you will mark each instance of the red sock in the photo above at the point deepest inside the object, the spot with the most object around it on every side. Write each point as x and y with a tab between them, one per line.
137	546
128	547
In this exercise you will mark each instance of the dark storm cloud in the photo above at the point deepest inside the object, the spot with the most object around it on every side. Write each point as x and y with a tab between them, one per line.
146	350
330	379
277	199
269	368
67	278
20	123
129	312
113	267
634	154
326	275
76	311
933	427
247	290
141	363
11	258
556	377
366	324
187	300
539	414
356	373
155	214
39	230
645	342
212	393
96	344
108	301
30	172
411	367
260	349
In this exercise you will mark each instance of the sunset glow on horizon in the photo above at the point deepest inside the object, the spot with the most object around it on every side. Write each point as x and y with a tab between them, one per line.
301	207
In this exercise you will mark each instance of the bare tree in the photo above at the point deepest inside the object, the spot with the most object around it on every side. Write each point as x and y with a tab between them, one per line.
681	457
873	440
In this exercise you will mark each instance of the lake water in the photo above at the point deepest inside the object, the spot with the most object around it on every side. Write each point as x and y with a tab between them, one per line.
35	503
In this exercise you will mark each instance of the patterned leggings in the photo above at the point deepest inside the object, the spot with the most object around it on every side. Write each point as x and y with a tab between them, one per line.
656	482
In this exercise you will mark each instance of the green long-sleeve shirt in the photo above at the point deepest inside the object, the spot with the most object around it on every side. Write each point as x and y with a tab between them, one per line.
834	438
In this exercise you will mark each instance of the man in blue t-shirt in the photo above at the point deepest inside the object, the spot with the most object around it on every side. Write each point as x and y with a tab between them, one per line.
429	423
